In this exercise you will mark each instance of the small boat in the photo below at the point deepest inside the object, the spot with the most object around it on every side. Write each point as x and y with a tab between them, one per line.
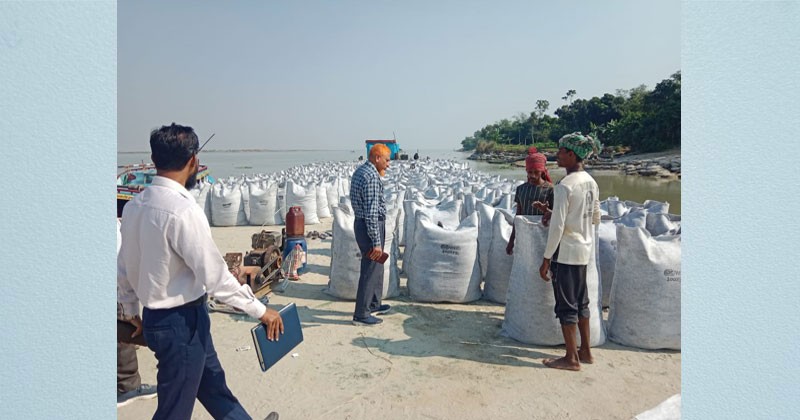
394	147
135	178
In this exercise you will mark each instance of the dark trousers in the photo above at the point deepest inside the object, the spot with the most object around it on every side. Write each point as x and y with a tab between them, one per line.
188	366
127	368
569	287
370	280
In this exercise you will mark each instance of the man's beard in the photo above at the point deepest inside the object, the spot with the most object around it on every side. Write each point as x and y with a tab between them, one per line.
192	181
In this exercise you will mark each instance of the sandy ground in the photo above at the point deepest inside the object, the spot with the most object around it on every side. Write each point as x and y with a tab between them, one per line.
426	361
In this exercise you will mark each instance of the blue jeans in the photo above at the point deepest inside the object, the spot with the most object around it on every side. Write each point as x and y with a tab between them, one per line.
188	366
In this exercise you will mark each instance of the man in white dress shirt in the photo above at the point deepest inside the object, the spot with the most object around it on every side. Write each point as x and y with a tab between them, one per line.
169	262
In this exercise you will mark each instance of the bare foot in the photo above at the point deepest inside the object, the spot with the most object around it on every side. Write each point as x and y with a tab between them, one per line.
562	363
585	357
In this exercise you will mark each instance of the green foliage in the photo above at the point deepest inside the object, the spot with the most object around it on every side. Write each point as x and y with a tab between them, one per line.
638	118
484	146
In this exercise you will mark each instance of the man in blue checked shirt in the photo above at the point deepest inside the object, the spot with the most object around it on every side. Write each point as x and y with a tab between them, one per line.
369	208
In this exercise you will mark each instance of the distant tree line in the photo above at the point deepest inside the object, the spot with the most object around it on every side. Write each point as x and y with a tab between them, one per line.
641	119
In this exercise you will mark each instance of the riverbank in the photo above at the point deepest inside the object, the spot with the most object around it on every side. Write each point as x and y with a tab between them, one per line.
664	165
426	361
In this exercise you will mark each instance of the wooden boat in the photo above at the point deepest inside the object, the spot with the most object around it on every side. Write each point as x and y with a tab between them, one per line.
135	178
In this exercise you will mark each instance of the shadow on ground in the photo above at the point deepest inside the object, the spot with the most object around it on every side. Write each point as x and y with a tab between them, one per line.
445	332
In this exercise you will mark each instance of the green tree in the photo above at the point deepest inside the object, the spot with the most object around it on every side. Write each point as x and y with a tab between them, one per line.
568	97
641	119
541	107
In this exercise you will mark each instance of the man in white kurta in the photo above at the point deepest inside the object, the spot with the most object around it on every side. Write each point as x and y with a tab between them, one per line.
576	208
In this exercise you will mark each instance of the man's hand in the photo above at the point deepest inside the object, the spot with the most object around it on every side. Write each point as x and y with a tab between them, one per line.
546	218
546	212
137	322
544	268
272	319
542	207
510	247
247	272
375	253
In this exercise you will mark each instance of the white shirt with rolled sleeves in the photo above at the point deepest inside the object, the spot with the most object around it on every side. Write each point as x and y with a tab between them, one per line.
576	207
168	257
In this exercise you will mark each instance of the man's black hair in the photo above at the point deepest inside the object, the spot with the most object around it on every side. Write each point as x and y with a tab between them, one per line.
172	146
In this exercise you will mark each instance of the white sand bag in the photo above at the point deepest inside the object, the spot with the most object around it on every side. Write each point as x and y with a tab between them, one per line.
400	224
332	191
614	207
245	200
448	214
445	266
607	247
499	263
470	204
530	317
305	198
645	306
485	231
656	206
506	202
607	236
263	203
323	209
202	197
670	409
280	204
226	205
346	257
660	223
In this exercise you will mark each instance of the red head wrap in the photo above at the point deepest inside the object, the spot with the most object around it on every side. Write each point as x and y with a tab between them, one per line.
538	161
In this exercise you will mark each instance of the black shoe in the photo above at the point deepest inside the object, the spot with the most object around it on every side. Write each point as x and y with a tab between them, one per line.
271	416
367	322
383	309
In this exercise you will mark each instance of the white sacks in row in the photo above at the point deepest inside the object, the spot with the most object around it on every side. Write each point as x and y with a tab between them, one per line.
499	263
646	294
346	257
445	266
530	309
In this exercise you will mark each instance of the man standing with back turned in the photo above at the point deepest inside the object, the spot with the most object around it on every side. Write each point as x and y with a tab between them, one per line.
369	208
169	262
576	207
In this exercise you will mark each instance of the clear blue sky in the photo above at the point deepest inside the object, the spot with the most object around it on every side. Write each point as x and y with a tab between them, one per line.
329	74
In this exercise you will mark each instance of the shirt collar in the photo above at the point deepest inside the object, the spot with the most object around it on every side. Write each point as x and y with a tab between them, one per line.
168	183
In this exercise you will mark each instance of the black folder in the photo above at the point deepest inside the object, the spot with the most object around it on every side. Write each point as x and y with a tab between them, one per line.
269	352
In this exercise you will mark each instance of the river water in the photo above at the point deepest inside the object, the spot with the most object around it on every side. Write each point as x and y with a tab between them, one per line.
612	183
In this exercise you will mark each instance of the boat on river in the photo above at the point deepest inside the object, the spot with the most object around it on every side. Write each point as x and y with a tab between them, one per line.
134	178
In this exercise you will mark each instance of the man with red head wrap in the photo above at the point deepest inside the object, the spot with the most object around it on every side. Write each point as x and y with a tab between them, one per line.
538	189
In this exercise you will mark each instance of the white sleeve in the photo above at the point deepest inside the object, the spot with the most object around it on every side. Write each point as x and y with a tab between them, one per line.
126	297
557	219
190	237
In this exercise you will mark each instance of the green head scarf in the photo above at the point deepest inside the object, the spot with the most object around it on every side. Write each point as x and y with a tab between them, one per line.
582	145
